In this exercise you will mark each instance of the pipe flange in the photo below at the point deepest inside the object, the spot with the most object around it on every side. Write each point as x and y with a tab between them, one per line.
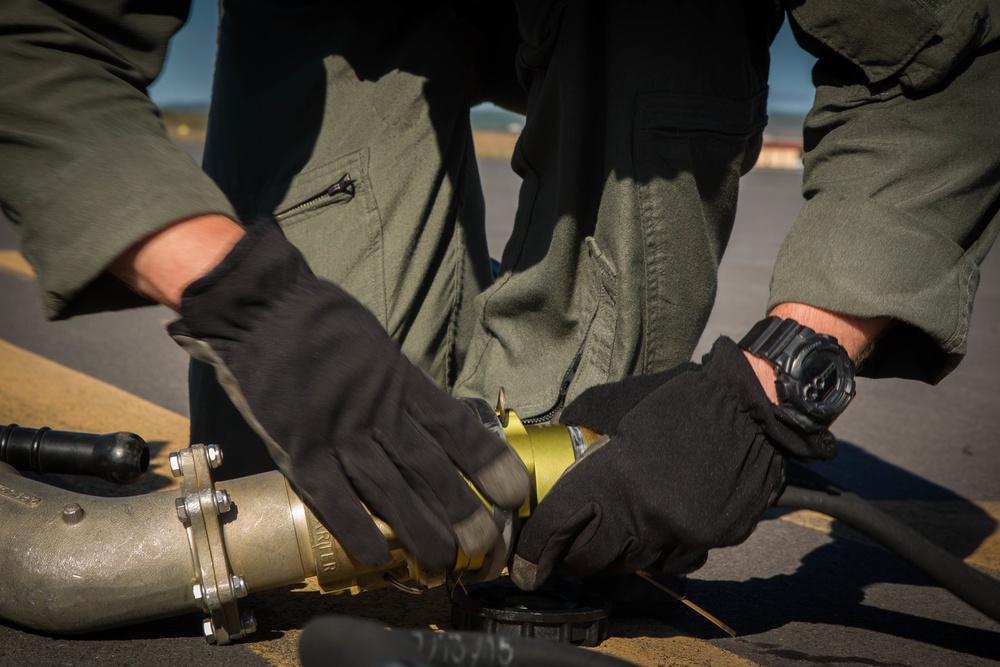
199	508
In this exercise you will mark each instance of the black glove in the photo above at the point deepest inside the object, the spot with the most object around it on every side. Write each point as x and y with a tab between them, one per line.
344	415
695	455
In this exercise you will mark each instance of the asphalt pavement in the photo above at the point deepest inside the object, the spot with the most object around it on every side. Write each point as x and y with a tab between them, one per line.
803	590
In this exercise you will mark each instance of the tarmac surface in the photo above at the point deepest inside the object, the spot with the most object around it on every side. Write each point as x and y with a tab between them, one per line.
803	590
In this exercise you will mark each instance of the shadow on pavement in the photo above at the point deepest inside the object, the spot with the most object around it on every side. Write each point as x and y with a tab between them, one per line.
830	585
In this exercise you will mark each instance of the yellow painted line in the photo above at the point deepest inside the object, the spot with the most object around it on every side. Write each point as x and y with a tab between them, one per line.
971	530
673	651
810	519
281	652
987	554
11	261
35	391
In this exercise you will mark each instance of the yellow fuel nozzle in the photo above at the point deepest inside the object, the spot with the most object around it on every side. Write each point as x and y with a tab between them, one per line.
547	450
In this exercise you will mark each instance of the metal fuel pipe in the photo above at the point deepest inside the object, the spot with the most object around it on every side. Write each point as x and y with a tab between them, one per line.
74	563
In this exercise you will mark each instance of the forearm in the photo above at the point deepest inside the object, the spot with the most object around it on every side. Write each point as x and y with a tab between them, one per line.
855	334
900	198
164	263
88	168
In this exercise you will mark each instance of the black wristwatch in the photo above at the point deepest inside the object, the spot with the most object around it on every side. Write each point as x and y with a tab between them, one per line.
815	376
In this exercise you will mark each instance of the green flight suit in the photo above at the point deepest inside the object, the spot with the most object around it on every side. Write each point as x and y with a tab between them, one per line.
641	117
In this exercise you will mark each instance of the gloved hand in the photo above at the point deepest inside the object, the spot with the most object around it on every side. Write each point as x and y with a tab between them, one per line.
693	456
344	415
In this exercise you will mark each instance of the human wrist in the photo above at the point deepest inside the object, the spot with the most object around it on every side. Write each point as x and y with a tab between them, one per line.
855	335
163	264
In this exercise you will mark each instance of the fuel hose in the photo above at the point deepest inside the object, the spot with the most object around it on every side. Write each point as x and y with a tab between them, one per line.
952	573
345	640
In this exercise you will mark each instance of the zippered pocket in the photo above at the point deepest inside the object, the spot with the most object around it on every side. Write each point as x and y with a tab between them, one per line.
330	213
340	192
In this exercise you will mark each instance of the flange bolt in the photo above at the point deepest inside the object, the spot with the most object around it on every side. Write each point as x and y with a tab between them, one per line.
72	514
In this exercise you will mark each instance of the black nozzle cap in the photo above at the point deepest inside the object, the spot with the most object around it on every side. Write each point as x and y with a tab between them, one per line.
120	457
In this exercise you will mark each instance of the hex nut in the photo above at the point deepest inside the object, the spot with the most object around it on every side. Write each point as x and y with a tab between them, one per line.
248	621
214	454
175	464
240	589
208	628
223	502
182	512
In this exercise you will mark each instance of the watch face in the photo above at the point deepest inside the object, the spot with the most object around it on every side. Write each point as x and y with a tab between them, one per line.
821	383
821	374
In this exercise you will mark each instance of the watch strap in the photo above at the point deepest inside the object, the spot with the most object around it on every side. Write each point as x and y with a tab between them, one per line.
781	342
770	336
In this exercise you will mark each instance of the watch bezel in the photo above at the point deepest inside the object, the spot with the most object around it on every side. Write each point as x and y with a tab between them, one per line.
794	387
791	349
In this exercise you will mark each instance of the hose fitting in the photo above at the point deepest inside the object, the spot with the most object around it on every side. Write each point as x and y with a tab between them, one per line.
120	457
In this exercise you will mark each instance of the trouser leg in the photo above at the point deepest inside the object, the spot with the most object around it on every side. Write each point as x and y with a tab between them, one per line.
641	118
380	92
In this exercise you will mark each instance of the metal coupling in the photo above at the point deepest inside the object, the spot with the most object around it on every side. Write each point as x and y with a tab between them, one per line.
199	507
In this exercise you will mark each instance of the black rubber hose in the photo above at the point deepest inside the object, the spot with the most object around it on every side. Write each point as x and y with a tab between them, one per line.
951	572
344	640
120	457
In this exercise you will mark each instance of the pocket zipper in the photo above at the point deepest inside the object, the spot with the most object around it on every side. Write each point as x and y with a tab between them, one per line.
342	190
561	398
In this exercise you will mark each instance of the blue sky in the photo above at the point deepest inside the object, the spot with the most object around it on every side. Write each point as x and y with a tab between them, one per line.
187	75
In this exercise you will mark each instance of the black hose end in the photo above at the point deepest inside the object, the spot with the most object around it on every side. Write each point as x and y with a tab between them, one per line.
121	457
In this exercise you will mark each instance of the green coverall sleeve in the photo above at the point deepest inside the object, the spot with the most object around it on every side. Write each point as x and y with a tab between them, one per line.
87	168
901	175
